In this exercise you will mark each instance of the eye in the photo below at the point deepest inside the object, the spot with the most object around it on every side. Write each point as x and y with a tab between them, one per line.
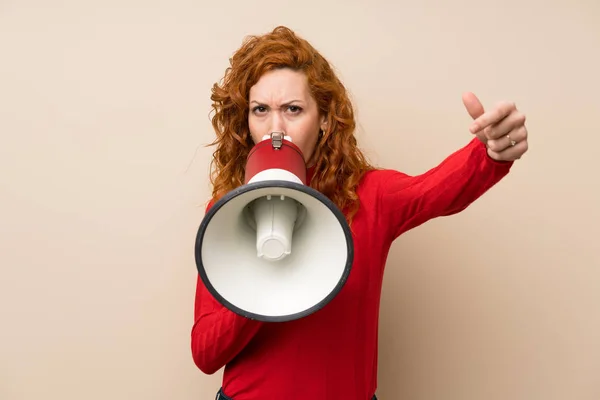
259	109
295	109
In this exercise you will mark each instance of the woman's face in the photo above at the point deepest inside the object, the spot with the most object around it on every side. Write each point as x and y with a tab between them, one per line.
281	101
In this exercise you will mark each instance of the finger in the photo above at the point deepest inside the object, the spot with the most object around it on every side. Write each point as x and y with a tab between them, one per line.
472	104
511	153
481	136
505	126
517	135
492	116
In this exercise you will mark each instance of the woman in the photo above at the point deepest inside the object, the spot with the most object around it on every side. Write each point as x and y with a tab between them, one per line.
279	82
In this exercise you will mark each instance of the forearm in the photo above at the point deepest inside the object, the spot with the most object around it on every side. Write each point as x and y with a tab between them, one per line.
218	334
447	189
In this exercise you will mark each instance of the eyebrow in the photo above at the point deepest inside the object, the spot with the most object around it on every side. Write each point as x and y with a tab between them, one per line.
283	104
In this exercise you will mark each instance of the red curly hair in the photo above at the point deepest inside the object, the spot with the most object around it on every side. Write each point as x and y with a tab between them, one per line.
339	164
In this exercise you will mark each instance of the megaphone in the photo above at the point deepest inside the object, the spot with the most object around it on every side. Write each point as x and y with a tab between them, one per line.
274	249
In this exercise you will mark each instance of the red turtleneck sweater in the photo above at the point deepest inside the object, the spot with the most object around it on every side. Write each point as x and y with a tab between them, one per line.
332	354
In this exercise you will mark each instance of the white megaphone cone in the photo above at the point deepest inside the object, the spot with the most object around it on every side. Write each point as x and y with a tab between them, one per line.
274	249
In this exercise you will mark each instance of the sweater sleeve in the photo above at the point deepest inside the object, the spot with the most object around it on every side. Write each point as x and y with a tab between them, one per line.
218	334
408	201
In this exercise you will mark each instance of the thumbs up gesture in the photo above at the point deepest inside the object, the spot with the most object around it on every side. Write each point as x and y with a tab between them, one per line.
502	128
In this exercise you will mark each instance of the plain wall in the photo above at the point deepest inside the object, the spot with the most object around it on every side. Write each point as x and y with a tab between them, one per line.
104	118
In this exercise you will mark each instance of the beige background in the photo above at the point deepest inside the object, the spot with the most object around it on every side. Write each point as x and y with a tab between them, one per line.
103	176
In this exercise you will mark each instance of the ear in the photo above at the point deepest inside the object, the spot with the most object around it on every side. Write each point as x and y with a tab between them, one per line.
324	123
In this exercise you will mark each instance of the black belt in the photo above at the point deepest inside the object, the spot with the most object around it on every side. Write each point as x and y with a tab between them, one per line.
222	396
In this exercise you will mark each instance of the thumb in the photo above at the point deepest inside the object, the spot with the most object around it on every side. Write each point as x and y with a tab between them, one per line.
472	104
475	110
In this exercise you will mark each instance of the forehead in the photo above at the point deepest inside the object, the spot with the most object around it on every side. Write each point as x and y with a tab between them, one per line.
281	85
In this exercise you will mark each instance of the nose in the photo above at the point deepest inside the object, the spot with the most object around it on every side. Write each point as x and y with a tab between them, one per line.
277	122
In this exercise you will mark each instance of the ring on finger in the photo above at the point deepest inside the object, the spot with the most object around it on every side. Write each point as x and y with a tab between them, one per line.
511	141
